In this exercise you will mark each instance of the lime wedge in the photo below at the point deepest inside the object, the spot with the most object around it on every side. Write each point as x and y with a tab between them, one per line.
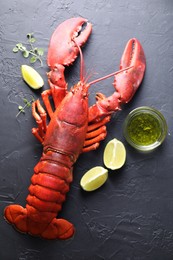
94	178
114	154
32	77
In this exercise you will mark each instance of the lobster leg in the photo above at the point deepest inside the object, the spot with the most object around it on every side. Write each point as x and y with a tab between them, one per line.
45	96
40	118
96	132
57	94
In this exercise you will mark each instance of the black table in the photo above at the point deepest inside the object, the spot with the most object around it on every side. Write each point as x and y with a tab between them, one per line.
131	216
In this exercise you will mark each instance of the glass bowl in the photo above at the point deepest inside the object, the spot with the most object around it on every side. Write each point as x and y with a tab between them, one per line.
145	128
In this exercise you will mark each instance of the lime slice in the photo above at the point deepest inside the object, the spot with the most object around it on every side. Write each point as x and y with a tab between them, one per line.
94	178
32	77
114	154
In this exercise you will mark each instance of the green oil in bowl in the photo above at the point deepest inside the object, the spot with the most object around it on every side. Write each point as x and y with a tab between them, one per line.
145	128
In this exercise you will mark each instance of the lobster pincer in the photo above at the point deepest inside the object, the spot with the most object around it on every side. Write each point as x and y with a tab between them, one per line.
125	83
63	50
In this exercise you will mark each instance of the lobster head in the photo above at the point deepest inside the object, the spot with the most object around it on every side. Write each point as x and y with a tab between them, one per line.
63	43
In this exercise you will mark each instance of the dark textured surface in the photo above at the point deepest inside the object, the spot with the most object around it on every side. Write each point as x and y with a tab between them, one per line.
131	216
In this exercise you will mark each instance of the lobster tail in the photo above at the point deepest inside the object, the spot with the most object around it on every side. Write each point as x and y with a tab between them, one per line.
48	189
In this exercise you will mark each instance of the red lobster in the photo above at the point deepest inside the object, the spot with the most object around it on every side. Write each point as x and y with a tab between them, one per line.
73	128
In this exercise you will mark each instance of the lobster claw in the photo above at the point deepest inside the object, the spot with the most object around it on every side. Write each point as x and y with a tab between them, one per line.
127	83
62	49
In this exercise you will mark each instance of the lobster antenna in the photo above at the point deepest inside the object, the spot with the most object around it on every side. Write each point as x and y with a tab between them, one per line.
108	76
88	75
82	64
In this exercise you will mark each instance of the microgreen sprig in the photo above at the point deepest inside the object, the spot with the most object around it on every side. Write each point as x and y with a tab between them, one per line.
34	53
27	104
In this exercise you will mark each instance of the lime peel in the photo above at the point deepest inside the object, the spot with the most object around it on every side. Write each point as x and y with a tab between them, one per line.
114	155
94	178
31	77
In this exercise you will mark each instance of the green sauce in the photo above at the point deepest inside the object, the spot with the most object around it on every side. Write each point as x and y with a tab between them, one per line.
144	129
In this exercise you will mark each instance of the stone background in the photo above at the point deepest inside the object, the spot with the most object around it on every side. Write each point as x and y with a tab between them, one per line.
131	216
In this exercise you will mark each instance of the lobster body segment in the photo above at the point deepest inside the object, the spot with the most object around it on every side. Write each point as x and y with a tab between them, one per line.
73	128
67	131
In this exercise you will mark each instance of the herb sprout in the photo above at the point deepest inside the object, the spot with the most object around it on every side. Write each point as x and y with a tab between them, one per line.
34	53
27	104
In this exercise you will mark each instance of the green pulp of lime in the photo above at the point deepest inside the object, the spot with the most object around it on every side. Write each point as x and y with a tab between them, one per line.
144	129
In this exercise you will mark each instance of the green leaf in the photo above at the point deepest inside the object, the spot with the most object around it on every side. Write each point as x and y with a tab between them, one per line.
40	51
29	35
25	54
23	48
19	45
32	40
21	109
28	104
35	50
25	100
15	49
33	59
32	52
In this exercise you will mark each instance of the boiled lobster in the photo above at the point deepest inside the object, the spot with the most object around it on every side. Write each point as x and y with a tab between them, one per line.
73	128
